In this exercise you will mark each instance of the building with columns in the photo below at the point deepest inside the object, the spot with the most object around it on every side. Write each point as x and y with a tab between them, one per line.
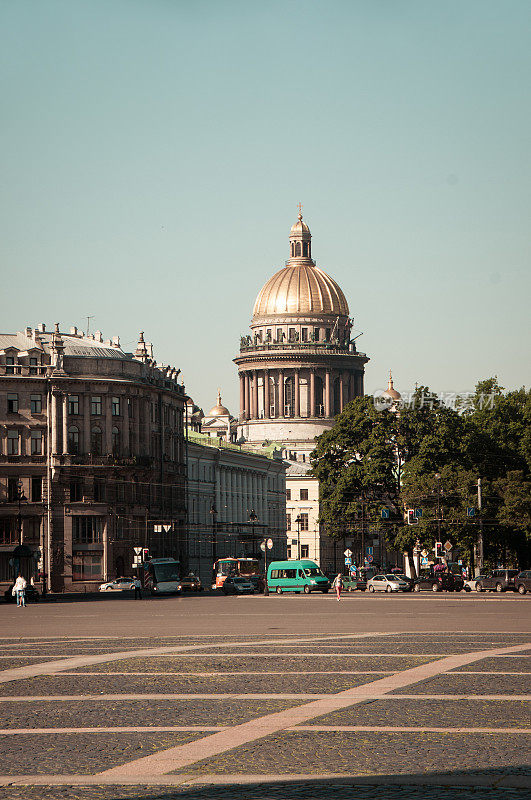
92	456
298	368
235	498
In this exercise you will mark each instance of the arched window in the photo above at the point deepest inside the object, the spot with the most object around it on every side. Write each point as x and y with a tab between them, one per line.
115	441
305	248
96	441
73	439
297	248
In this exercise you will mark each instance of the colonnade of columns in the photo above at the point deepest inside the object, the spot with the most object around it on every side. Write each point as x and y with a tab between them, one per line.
301	393
238	492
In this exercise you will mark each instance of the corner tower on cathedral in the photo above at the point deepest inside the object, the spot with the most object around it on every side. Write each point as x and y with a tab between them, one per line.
299	367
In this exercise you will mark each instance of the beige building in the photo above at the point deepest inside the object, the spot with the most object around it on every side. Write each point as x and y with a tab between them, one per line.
298	368
92	457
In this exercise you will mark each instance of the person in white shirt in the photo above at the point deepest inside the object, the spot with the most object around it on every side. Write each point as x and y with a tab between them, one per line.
20	590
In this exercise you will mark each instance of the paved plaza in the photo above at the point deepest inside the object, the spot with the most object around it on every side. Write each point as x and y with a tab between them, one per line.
267	697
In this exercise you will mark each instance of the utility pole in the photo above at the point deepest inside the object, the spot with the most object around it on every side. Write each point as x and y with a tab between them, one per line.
480	536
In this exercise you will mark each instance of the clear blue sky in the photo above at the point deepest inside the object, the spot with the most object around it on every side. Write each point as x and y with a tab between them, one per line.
154	152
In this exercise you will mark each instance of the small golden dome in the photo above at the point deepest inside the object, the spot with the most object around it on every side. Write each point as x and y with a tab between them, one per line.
299	227
300	289
391	391
219	410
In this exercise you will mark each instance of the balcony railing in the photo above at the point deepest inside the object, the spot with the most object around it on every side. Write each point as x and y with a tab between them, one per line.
311	348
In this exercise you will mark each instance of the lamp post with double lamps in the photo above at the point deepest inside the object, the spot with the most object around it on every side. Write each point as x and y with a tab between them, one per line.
298	521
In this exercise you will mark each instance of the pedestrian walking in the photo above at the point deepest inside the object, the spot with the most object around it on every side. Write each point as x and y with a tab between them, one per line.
19	589
338	585
138	588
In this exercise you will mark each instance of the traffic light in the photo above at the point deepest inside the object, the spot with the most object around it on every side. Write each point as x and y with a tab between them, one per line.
145	554
438	550
412	518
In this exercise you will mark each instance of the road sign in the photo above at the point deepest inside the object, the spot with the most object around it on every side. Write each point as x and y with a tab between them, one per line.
348	561
352	569
269	544
262	546
386	513
370	551
424	560
137	550
347	553
424	553
471	512
369	559
418	513
448	546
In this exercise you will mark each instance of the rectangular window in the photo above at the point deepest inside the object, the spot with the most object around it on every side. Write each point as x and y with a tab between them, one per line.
86	566
12	490
13	443
304	494
130	408
292	335
115	404
76	491
288	554
288	522
36	443
87	530
73	404
288	494
95	406
305	550
33	366
10	365
12	403
268	335
32	529
327	334
279	334
99	491
316	334
305	334
8	535
36	403
36	490
304	522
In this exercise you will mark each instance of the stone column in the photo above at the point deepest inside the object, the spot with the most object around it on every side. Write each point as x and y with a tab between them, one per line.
222	512
311	410
65	423
86	424
125	430
341	391
136	414
327	393
266	394
296	390
246	413
242	396
255	393
54	421
280	394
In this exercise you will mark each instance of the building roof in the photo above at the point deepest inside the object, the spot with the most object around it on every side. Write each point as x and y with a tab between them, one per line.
300	289
219	410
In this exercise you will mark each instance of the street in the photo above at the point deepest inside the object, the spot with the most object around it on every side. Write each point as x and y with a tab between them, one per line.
267	697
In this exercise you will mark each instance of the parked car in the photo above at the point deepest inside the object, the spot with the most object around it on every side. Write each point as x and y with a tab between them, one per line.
117	585
237	586
410	581
522	581
499	580
387	583
191	583
258	582
353	583
31	594
438	581
473	584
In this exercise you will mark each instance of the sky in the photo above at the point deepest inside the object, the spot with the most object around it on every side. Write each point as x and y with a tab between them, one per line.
153	153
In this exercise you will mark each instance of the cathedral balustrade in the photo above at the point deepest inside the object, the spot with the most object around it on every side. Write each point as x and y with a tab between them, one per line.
310	348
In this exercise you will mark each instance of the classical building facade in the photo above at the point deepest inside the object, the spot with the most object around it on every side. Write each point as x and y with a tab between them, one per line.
92	457
236	498
298	368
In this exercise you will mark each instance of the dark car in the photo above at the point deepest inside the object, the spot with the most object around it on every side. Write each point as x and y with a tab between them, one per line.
237	586
499	580
522	581
438	581
258	582
409	581
31	594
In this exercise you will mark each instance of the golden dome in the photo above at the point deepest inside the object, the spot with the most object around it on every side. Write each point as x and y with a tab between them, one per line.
299	227
391	391
300	289
219	410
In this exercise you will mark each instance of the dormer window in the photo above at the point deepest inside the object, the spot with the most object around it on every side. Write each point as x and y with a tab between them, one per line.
10	365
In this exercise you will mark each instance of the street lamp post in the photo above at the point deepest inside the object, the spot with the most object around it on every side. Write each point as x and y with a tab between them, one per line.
253	519
20	498
214	512
438	479
298	521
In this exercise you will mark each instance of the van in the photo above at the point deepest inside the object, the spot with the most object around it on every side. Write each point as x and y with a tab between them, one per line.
296	576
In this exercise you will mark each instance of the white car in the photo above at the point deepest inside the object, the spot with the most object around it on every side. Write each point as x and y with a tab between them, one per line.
117	585
474	584
387	583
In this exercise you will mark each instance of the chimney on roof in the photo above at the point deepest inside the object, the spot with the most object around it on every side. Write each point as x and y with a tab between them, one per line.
107	342
98	336
73	330
41	328
116	341
29	333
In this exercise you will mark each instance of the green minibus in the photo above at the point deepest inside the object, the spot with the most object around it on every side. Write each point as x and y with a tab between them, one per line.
296	576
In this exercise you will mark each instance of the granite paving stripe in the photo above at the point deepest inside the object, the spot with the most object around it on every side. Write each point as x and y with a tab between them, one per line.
474	712
262	672
80	753
403	729
118	729
366	753
16	661
173	684
522	664
244	663
362	695
97	712
247	733
472	684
